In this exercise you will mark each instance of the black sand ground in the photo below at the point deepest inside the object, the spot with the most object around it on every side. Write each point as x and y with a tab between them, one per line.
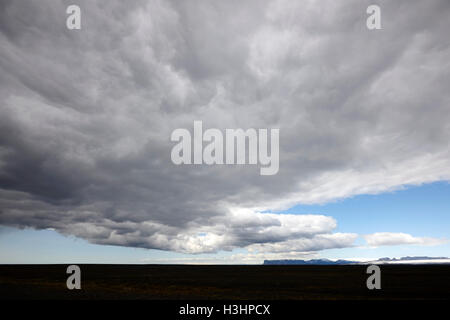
224	282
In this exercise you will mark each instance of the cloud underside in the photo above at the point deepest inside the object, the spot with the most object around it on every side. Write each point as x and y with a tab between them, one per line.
86	116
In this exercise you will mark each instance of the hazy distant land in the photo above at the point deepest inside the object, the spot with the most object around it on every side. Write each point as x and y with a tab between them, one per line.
403	260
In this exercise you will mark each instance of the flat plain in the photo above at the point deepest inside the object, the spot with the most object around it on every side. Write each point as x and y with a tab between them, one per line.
224	282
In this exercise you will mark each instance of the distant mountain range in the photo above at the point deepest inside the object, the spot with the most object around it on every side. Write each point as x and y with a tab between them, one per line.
410	260
309	262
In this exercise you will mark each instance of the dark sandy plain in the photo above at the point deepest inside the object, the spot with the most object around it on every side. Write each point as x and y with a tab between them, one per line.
221	282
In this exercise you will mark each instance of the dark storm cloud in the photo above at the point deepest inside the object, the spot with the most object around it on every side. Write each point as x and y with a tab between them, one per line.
86	115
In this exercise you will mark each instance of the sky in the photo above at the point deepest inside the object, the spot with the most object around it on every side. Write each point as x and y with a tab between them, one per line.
364	214
86	118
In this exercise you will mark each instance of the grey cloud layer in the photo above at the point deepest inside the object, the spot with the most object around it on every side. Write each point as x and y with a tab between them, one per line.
86	116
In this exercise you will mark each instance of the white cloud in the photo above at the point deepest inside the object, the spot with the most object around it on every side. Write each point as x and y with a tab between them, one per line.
316	243
392	239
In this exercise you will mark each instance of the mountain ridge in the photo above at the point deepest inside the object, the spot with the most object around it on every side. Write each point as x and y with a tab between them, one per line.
385	260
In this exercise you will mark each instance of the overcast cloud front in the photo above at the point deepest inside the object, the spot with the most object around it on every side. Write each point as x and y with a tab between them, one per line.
86	117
